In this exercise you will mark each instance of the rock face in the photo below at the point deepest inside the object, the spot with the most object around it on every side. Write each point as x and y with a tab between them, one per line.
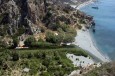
27	16
20	14
21	18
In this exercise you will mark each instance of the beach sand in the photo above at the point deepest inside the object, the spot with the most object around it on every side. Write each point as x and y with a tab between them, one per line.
80	61
85	3
84	41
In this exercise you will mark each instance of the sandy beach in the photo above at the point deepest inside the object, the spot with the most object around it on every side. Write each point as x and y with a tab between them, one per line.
84	40
85	3
80	61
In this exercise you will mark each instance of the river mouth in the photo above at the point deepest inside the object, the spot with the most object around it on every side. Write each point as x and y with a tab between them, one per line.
105	25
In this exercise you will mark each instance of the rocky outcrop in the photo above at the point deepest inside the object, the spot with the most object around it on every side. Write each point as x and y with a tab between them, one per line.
19	17
16	14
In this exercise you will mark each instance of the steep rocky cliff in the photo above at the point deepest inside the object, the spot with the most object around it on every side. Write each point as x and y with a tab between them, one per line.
21	15
29	17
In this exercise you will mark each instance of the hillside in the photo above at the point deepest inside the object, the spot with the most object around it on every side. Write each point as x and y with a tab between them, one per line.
22	18
34	37
107	69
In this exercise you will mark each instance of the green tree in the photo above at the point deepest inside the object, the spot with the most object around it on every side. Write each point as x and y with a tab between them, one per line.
53	26
15	56
50	37
46	62
15	42
45	74
28	42
68	38
3	44
72	31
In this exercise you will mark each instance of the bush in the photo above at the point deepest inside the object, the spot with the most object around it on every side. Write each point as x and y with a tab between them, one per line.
41	45
72	31
44	74
15	57
59	73
53	26
46	62
50	37
15	43
3	44
30	55
42	68
41	55
64	27
28	42
68	38
1	61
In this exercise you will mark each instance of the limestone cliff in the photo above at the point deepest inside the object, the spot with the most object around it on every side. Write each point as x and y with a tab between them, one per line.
20	14
18	17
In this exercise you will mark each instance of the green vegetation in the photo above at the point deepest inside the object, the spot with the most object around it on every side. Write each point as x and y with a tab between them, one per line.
66	34
41	62
15	43
3	45
3	30
29	41
1	17
107	69
52	38
47	56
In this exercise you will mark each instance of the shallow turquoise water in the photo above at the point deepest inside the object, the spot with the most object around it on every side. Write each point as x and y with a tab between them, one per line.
105	25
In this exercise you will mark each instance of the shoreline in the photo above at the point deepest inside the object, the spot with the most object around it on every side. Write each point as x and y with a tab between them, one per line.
95	45
84	4
84	41
94	51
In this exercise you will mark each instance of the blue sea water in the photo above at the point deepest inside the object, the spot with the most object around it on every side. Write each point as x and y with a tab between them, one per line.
105	25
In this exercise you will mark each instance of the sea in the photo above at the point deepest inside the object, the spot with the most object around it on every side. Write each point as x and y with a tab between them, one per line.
104	17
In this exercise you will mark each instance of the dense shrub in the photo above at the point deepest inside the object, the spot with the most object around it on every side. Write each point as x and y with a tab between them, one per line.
45	74
46	62
56	39
41	44
15	43
40	55
72	31
64	27
3	44
52	38
28	42
42	60
58	73
15	56
53	26
1	61
68	38
30	55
